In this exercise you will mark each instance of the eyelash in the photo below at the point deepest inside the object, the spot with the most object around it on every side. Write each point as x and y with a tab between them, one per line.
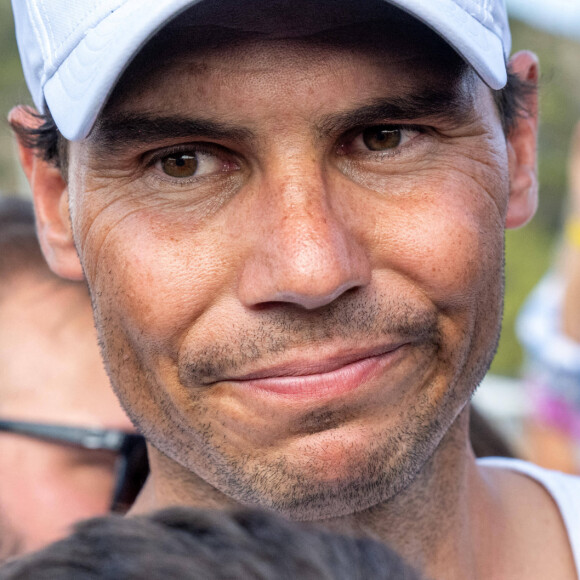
151	160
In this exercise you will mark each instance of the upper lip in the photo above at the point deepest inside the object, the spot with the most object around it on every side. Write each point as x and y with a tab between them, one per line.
301	367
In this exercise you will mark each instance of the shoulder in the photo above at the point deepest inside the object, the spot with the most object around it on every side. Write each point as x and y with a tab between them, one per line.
563	488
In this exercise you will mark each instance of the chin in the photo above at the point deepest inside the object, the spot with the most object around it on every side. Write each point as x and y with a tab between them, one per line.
342	478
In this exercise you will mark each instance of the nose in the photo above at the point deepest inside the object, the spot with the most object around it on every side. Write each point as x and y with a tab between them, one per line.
304	252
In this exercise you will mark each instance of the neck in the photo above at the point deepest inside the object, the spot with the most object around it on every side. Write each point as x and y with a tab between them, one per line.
439	522
435	523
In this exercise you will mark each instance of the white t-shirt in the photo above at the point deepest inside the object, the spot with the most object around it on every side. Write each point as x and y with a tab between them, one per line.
565	489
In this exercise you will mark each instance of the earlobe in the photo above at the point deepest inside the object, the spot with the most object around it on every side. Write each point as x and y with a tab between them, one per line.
522	146
50	193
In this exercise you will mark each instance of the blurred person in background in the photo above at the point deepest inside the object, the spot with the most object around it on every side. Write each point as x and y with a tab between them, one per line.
549	329
62	431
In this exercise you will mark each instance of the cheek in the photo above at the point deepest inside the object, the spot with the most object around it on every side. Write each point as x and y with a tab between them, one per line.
155	273
447	240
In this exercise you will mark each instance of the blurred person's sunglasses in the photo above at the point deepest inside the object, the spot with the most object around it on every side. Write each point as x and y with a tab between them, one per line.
131	468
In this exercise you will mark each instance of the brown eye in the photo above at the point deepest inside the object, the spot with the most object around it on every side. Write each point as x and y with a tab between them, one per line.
381	138
179	165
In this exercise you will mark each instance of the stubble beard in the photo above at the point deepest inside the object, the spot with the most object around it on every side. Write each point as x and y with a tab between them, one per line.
388	464
373	475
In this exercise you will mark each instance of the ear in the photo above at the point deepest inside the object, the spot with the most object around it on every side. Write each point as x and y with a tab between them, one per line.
50	193
522	146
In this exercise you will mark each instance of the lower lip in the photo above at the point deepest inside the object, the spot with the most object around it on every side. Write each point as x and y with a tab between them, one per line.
325	385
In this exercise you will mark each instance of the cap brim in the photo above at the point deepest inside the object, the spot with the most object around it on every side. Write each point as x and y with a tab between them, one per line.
80	87
477	45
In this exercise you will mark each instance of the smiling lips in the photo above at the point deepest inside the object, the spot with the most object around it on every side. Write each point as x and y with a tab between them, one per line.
321	379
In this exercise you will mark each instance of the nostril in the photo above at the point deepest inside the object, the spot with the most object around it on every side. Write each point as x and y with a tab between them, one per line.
356	288
271	304
311	301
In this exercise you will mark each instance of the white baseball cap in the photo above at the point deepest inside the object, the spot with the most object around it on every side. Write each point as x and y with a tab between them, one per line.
74	51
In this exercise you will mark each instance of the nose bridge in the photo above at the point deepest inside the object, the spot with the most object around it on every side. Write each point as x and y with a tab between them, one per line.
304	253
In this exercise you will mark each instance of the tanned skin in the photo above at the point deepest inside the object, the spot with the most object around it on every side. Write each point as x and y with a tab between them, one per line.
296	271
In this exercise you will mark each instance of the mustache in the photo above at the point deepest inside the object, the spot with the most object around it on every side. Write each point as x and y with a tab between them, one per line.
272	331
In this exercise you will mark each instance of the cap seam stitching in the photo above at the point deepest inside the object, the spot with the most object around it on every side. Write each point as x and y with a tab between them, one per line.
57	64
36	20
48	27
481	14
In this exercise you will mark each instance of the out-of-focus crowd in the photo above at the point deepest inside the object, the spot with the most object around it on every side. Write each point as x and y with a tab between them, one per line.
549	329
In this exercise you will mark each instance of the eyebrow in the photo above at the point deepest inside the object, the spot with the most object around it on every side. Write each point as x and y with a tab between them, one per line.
454	106
122	129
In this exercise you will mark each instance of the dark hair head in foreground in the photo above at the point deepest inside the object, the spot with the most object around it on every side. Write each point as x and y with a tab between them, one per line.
186	544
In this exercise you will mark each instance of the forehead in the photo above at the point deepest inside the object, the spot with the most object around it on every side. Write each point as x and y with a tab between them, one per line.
391	39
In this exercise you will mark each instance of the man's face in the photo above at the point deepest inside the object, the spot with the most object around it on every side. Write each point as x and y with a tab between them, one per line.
51	372
295	252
